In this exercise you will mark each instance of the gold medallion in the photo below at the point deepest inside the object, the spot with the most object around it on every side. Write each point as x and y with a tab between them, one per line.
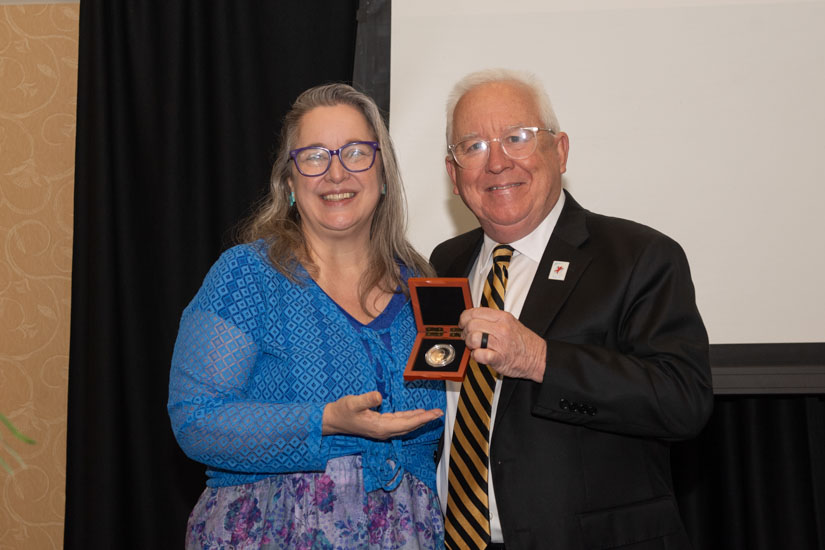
440	355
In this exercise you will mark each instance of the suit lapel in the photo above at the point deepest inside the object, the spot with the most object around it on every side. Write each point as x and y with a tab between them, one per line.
465	257
546	296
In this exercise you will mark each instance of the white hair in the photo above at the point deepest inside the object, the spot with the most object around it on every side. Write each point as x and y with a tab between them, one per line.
488	76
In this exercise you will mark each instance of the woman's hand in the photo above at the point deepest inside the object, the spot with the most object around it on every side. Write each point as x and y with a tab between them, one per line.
353	414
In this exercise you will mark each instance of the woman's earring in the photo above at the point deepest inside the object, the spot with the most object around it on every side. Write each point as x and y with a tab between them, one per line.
291	199
384	189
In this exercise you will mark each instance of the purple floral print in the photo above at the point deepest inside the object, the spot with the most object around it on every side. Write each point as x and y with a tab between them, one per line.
317	511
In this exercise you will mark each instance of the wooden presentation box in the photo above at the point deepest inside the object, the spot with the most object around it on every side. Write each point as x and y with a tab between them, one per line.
437	304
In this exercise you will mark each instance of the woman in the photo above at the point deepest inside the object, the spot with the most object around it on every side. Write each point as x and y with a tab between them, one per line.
287	373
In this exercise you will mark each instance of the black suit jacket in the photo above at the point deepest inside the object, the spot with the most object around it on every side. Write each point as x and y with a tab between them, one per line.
582	460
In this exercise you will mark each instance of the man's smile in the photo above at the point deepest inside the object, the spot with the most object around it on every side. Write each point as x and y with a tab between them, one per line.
504	187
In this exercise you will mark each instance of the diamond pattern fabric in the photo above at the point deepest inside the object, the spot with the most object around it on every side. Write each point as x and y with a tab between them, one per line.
258	357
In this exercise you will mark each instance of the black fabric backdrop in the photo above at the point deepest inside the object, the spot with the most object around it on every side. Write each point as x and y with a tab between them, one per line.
179	104
754	479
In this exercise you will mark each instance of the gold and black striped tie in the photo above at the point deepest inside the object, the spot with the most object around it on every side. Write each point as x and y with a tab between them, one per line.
467	522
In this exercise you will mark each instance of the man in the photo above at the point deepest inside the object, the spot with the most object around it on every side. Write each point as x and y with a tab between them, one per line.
599	355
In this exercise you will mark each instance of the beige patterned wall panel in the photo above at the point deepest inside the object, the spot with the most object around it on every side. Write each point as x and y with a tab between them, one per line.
38	96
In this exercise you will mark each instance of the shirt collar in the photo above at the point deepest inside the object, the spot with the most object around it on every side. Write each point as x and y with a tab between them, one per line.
534	243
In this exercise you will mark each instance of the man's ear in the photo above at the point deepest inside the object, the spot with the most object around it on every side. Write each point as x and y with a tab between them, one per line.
562	150
451	171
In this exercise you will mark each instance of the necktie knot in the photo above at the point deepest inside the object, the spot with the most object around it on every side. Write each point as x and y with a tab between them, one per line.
497	278
502	254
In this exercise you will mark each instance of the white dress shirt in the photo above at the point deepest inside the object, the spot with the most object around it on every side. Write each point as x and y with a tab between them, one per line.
521	271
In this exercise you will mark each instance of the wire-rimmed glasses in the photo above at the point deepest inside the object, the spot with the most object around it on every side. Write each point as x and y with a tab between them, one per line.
357	156
517	143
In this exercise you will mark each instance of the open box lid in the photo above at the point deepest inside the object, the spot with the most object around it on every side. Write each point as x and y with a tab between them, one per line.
439	301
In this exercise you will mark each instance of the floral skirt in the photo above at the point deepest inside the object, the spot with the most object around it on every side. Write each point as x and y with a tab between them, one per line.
317	511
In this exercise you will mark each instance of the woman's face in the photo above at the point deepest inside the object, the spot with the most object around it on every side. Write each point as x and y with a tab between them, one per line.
337	204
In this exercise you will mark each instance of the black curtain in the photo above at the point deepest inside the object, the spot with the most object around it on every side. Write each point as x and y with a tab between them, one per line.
754	479
179	105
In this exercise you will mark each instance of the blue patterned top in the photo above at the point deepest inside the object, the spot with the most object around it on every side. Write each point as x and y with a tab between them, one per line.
258	357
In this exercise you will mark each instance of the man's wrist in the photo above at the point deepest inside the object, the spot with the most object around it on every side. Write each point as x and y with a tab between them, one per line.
539	361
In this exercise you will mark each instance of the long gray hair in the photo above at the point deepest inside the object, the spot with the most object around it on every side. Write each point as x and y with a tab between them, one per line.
279	224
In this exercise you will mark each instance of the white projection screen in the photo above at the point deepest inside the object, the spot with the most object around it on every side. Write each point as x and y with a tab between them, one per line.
703	119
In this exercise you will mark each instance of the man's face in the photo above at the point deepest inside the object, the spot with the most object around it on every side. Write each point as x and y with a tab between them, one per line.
510	197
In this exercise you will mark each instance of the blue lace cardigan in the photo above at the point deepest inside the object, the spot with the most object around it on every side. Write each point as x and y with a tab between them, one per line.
258	357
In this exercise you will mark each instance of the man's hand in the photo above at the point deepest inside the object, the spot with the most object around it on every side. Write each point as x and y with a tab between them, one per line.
512	349
353	414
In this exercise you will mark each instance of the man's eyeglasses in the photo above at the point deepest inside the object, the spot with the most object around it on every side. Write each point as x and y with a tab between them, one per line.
517	143
357	156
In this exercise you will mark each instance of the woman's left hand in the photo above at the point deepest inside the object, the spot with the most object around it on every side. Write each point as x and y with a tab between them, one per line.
353	414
